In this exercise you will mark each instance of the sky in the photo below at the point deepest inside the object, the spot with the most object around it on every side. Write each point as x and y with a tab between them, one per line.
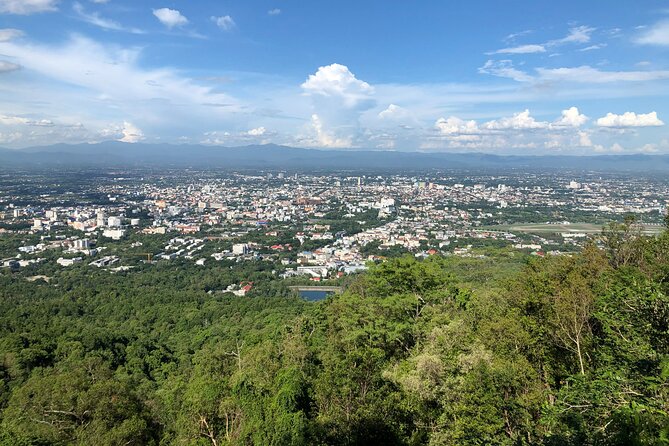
511	77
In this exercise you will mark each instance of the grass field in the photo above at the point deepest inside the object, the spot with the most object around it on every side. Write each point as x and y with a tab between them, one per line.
544	228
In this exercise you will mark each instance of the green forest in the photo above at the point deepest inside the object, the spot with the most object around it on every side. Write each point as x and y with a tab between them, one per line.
561	350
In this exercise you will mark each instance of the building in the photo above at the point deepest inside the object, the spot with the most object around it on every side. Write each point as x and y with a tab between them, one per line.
67	262
83	243
115	234
240	248
114	222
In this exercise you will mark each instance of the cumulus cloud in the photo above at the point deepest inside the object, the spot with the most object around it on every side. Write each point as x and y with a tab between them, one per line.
170	17
456	126
338	99
226	23
6	66
8	34
275	11
519	121
131	133
571	118
259	131
325	138
390	112
614	148
657	34
630	119
336	80
395	115
25	7
584	139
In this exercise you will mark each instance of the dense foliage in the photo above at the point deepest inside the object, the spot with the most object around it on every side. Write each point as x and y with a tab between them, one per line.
571	350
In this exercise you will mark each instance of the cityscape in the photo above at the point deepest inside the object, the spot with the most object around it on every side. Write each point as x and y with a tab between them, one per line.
316	225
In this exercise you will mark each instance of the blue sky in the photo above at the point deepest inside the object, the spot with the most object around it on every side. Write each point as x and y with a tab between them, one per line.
524	77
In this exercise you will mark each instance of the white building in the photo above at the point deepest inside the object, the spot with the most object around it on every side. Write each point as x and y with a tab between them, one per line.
83	243
67	262
240	248
115	234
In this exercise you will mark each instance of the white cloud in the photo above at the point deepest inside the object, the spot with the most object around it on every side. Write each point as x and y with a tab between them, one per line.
224	22
275	11
649	148
521	49
571	118
658	34
337	81
84	81
578	34
504	68
131	133
630	119
584	139
519	121
325	138
257	131
394	113
338	100
587	74
112	73
389	112
95	19
614	148
25	7
19	120
584	74
6	67
598	46
8	34
456	126
513	36
170	17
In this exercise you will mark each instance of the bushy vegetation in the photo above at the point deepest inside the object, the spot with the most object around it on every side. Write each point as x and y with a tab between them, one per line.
569	350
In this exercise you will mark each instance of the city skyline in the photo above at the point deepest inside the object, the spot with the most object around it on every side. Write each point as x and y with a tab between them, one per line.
524	79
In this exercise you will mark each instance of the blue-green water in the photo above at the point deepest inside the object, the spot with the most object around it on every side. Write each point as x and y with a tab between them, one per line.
312	295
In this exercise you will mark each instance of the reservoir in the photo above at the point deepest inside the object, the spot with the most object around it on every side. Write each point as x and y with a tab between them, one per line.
315	293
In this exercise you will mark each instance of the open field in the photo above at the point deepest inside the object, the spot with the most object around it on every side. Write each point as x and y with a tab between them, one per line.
544	228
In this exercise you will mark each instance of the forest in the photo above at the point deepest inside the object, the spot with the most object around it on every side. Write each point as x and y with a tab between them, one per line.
561	350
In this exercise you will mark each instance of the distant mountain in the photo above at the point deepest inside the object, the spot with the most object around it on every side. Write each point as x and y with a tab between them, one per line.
270	156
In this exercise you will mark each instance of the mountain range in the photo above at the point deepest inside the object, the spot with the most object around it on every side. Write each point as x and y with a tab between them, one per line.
270	156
